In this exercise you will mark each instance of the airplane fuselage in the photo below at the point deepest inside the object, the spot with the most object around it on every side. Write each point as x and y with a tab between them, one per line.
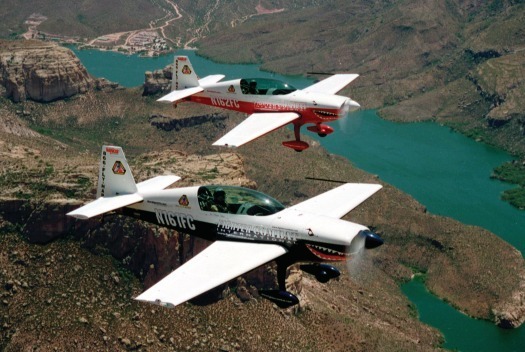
313	108
186	210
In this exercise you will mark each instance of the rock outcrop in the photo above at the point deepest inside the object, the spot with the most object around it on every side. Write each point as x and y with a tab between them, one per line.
41	72
167	123
511	314
157	81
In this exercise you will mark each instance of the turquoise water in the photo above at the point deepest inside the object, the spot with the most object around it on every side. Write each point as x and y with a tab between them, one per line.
128	70
442	169
445	171
461	332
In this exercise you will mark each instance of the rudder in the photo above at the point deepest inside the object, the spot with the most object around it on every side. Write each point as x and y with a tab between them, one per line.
115	177
184	75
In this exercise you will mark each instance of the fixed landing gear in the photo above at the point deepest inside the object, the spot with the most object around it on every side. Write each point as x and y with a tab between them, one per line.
281	297
321	130
296	145
322	272
284	299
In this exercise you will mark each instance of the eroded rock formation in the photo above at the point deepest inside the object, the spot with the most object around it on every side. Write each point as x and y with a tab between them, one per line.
157	81
43	72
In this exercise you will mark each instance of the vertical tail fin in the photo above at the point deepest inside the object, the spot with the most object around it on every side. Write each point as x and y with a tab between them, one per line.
114	177
183	74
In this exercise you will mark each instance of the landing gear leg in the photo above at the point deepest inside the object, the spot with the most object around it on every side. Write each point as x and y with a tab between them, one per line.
297	132
296	145
282	267
281	297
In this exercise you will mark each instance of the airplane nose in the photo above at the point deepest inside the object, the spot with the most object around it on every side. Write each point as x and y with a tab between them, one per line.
348	106
364	239
372	240
352	105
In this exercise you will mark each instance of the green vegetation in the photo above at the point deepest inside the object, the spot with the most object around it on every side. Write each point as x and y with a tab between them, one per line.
71	132
515	196
512	172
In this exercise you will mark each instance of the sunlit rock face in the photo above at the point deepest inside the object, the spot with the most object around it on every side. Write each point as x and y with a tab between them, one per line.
41	72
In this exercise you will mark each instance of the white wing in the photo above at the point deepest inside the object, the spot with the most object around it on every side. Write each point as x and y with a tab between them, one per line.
255	126
338	201
333	84
217	264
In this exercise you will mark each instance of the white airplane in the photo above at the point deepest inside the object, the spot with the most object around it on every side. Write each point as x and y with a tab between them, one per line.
248	228
270	103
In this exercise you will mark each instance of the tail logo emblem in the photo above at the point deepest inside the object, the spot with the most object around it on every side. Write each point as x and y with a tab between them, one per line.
186	70
118	168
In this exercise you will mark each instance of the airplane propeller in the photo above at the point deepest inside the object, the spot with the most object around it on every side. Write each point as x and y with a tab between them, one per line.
343	121
358	249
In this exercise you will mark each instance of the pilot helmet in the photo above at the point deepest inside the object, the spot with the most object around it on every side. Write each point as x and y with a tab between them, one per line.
219	192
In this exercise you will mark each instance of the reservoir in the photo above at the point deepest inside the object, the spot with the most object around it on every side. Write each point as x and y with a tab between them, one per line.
445	171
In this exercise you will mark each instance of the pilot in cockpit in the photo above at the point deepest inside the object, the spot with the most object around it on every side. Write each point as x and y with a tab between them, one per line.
219	201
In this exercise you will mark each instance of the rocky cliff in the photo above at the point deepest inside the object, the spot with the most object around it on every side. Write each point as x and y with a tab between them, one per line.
43	72
157	81
168	123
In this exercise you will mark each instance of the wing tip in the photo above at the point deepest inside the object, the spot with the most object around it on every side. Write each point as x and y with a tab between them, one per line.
157	302
222	144
77	215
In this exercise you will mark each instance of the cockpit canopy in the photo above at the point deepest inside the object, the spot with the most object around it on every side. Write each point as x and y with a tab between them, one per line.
237	200
265	86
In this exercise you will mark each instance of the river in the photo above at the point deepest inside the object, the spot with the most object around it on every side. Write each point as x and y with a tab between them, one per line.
443	170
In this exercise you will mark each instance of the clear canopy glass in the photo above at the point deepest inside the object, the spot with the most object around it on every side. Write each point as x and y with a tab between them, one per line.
265	86
237	200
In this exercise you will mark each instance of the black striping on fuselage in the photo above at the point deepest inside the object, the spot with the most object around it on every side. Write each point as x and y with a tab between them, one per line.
205	230
208	231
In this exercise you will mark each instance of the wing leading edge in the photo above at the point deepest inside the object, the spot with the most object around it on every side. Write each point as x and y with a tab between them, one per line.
339	201
255	126
220	262
332	84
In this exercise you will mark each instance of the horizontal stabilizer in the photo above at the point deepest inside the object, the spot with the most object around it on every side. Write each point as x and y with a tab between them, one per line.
220	262
210	79
157	183
333	84
177	95
338	201
255	126
104	204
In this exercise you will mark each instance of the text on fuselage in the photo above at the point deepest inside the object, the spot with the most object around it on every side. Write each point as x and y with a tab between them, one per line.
166	217
280	106
225	103
229	228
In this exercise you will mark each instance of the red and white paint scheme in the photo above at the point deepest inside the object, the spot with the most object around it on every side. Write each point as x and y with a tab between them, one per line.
270	103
